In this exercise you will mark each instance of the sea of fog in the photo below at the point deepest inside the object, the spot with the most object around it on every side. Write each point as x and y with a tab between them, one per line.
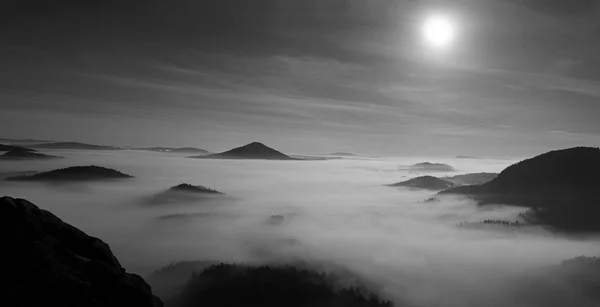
335	211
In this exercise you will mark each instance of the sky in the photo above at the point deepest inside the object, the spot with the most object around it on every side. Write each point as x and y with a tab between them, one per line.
522	76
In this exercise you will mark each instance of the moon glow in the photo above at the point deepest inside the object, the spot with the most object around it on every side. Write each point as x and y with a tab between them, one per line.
438	31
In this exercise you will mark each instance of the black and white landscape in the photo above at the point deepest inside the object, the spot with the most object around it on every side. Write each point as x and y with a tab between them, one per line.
300	153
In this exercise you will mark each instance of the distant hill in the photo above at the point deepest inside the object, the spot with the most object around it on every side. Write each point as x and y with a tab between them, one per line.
560	186
73	145
471	179
74	173
467	157
198	189
187	150
13	147
425	182
253	150
23	141
26	155
183	193
435	183
314	158
435	167
343	154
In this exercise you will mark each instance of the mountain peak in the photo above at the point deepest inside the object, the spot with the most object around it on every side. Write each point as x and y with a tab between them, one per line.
254	150
256	144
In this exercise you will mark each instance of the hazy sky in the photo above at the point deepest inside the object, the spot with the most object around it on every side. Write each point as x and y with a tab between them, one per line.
304	76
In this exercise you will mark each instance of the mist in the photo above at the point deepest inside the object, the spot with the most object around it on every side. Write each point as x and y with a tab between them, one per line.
334	211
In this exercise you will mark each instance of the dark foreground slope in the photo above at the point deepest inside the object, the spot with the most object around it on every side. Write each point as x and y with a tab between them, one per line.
47	262
234	285
74	173
560	186
253	150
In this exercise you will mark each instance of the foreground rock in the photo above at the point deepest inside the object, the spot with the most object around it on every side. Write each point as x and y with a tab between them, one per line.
74	173
27	154
425	182
560	186
257	151
48	262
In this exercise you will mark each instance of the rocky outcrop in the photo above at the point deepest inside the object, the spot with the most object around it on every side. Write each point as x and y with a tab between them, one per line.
47	262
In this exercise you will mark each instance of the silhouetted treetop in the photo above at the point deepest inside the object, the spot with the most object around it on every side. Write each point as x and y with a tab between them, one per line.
236	285
186	187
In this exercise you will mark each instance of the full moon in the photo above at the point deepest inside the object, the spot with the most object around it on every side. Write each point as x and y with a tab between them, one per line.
438	31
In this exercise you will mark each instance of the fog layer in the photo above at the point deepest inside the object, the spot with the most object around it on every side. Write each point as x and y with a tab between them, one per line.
334	211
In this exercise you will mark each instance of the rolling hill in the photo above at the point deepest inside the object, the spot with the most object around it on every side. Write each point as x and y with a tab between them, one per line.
560	186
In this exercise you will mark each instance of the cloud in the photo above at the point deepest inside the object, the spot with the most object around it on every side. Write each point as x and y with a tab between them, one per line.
342	214
561	8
